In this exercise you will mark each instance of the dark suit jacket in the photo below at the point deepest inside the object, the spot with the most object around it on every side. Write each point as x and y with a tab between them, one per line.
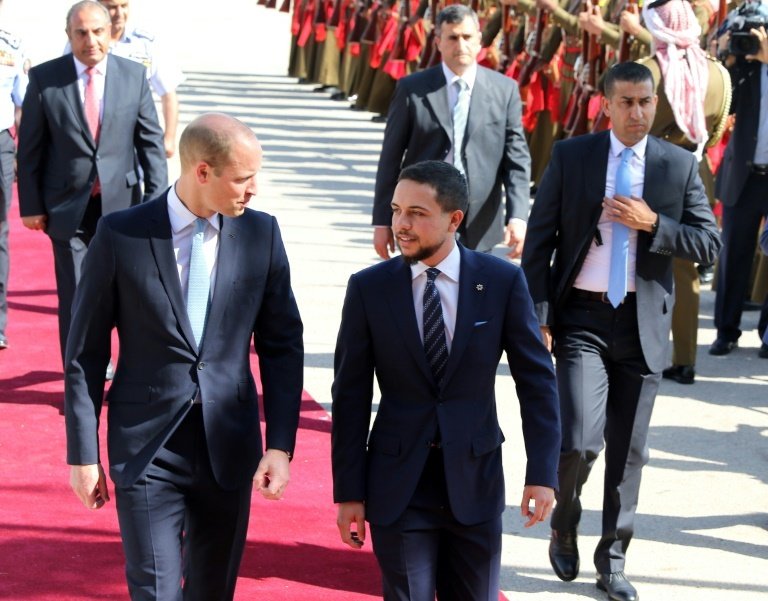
379	333
130	280
58	159
419	128
740	152
564	220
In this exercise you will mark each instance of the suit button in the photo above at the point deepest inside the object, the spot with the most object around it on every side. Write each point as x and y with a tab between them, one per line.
200	366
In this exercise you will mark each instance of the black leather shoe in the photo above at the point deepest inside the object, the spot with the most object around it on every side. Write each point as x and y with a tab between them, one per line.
706	273
110	372
682	374
564	554
617	586
762	353
722	347
379	119
4	343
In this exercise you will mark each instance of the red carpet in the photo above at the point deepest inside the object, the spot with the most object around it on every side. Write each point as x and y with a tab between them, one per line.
52	548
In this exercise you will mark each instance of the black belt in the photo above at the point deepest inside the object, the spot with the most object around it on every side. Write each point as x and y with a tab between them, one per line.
597	296
759	169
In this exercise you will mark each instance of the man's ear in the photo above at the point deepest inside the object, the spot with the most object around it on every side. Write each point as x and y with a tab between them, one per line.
457	217
203	172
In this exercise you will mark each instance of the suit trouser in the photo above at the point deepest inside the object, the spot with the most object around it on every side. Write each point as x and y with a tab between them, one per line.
7	153
178	524
426	551
740	226
606	396
68	257
685	315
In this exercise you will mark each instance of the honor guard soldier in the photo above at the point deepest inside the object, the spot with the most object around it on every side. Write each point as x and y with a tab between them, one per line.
13	83
164	75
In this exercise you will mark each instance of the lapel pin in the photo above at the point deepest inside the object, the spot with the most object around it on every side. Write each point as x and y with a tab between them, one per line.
479	287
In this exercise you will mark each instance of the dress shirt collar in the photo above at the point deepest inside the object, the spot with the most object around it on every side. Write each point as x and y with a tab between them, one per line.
450	266
101	68
469	75
617	147
181	217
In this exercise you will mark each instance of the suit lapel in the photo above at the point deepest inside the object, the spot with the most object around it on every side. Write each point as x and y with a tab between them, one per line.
655	173
478	105
438	100
71	91
226	264
111	90
472	287
595	171
400	299
161	241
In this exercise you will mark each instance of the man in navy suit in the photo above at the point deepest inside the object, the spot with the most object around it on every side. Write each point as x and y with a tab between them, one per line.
432	325
189	280
611	348
89	124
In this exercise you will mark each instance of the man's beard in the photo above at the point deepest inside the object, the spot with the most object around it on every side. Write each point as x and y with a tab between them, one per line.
423	253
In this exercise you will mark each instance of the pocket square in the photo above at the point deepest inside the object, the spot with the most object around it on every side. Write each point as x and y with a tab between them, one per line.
481	323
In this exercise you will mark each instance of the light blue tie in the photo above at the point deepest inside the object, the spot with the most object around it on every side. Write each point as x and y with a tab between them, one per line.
617	279
199	284
460	113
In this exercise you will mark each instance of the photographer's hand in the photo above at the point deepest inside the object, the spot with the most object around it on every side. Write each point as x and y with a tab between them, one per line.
762	37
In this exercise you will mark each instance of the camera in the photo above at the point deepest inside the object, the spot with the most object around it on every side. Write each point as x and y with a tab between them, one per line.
750	15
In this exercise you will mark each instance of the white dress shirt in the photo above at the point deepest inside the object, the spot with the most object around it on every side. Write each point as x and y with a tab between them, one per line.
597	264
447	284
182	230
82	81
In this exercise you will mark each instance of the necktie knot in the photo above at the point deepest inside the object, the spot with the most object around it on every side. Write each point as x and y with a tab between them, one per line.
626	154
200	224
432	273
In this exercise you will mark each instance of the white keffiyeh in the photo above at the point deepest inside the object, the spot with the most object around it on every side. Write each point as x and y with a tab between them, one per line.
683	63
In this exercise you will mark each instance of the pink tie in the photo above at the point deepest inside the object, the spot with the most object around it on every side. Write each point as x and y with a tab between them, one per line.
92	104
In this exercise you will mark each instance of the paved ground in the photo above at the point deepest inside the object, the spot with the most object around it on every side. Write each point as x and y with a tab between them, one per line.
702	526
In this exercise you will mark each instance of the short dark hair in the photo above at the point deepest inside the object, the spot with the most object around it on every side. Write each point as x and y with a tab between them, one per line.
627	71
455	13
449	184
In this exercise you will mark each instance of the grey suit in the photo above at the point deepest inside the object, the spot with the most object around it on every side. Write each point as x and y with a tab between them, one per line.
59	161
419	128
608	360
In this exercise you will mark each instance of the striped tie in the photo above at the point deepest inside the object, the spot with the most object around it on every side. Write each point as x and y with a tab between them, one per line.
199	284
460	113
434	328
617	278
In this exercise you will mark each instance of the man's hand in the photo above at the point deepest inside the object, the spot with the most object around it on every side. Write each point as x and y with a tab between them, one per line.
35	222
514	237
632	212
630	22
383	241
591	20
352	512
89	484
762	54
170	146
543	499
546	337
273	474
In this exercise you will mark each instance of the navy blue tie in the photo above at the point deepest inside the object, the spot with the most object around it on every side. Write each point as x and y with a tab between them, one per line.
434	327
617	278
